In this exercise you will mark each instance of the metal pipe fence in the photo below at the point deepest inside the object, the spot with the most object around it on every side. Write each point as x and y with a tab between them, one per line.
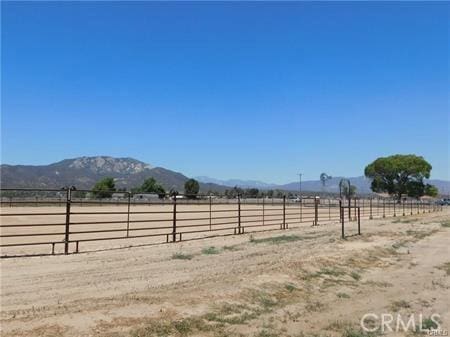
59	221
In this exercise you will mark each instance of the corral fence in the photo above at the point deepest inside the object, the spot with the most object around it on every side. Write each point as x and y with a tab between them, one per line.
55	221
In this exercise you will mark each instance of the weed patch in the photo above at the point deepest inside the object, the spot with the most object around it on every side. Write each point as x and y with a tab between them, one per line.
445	267
181	256
445	224
277	239
343	295
398	305
210	251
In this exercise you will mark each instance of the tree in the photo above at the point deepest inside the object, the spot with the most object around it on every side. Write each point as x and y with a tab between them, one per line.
348	193
400	175
191	188
150	185
251	193
104	188
431	190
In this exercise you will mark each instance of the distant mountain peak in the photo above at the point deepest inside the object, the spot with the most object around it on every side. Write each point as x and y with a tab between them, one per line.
106	164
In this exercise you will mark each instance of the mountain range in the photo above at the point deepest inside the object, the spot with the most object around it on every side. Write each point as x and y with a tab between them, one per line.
331	186
84	172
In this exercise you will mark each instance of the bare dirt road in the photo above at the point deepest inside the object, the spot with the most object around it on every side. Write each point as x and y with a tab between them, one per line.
297	282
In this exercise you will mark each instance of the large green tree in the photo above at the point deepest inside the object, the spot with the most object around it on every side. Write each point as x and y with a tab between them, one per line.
104	188
191	188
150	185
400	175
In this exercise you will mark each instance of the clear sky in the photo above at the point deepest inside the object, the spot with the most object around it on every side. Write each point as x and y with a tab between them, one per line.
228	90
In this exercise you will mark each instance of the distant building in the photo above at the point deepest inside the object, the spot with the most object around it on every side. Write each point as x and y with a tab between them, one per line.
145	196
118	196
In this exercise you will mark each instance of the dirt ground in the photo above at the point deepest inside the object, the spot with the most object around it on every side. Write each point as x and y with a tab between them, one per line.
298	282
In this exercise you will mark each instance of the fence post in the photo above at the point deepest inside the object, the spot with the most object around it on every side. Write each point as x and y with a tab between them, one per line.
370	205
354	204
384	208
174	223
210	213
316	211
404	207
284	212
239	214
411	203
394	209
359	221
340	209
329	209
128	214
342	222
67	229
349	209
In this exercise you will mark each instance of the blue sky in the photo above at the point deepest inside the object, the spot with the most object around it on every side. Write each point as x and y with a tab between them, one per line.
228	90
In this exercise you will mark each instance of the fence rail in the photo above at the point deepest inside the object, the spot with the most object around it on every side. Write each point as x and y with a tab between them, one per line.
63	224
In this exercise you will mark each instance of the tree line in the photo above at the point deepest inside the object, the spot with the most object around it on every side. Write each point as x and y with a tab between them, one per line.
398	175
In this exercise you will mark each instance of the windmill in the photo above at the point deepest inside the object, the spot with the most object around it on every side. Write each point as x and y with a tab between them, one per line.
324	178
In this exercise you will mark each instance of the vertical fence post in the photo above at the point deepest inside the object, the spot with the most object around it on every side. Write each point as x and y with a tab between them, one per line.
404	207
354	204
174	222
411	203
349	209
395	214
316	211
128	214
418	207
342	221
210	213
384	208
67	229
239	214
329	209
284	212
370	206
359	221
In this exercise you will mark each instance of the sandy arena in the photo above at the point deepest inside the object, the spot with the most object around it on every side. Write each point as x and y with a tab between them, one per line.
297	282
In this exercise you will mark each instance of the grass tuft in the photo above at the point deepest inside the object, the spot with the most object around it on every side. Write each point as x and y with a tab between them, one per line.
355	275
181	256
397	305
445	267
343	295
276	239
210	251
445	224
